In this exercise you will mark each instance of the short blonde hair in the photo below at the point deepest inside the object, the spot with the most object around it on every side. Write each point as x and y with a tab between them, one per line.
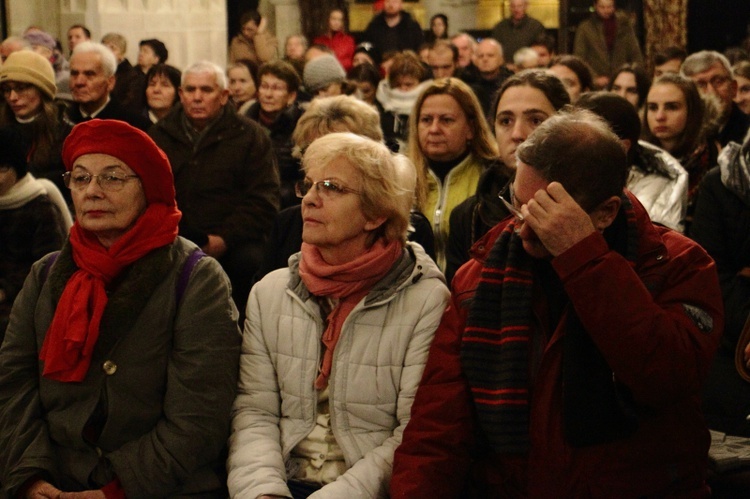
341	113
384	189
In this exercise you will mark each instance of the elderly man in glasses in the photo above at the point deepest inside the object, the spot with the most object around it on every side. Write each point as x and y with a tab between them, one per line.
712	73
570	361
225	175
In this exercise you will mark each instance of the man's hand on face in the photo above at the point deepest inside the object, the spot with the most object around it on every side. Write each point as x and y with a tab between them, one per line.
557	220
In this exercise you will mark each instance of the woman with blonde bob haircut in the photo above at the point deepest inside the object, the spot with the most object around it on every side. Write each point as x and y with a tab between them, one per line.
335	344
341	113
451	144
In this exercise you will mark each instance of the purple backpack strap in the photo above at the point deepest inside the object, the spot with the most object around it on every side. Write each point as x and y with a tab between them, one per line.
48	265
187	269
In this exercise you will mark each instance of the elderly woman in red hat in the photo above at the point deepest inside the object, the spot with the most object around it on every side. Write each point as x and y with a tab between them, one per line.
120	361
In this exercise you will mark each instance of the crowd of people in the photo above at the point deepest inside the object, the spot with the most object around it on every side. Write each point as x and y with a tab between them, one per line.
403	264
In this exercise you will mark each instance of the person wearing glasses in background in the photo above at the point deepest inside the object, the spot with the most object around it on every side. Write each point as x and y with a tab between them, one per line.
334	345
27	83
712	74
120	361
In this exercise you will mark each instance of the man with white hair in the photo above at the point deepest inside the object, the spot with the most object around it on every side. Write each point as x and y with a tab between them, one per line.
225	174
92	78
490	64
713	76
517	31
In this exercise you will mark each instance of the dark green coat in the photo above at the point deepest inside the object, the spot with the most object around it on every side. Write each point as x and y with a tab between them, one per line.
158	392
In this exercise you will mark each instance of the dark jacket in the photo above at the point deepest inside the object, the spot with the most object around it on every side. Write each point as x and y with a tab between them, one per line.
154	407
280	132
721	224
475	216
406	35
27	233
130	87
513	36
656	323
226	183
591	46
112	111
735	128
485	90
53	168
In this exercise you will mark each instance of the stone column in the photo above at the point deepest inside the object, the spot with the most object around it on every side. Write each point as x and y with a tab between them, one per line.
192	30
286	18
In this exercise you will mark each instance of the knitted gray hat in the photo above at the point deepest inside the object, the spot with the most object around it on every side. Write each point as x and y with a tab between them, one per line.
322	71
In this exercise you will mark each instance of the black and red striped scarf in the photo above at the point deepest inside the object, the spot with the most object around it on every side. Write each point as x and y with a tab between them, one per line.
497	337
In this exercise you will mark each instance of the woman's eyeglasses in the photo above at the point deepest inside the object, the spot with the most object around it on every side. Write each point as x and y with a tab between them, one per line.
326	188
110	181
18	88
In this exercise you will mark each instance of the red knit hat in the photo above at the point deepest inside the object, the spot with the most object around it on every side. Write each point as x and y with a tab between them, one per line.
131	146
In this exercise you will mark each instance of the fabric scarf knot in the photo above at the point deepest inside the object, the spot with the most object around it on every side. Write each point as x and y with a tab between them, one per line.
349	283
70	340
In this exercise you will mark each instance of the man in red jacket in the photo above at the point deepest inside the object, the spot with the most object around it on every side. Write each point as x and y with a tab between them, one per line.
570	361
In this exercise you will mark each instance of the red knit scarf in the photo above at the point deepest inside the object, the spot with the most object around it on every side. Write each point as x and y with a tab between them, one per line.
349	283
71	337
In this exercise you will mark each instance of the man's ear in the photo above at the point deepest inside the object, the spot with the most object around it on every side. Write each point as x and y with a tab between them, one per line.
604	214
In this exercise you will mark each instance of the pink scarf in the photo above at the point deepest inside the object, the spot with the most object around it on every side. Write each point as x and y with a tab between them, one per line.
349	283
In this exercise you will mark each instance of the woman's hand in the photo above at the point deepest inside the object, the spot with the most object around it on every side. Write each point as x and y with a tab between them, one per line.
41	490
262	29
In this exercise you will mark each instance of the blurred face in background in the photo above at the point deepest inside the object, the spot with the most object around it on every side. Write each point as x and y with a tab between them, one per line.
465	49
160	94
274	95
520	110
24	99
336	21
666	114
604	8
743	93
443	130
295	48
241	85
544	55
569	79
625	86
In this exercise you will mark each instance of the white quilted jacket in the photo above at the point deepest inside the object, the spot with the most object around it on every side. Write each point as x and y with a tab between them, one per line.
377	367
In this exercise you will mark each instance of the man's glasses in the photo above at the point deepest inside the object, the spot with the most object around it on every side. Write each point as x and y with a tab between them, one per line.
110	181
326	188
717	81
509	205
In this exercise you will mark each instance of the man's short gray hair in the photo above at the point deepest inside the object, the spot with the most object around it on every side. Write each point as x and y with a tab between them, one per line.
702	61
206	67
108	60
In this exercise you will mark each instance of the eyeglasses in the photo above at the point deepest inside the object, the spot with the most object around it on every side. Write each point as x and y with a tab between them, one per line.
509	205
717	81
326	188
18	88
273	88
110	181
